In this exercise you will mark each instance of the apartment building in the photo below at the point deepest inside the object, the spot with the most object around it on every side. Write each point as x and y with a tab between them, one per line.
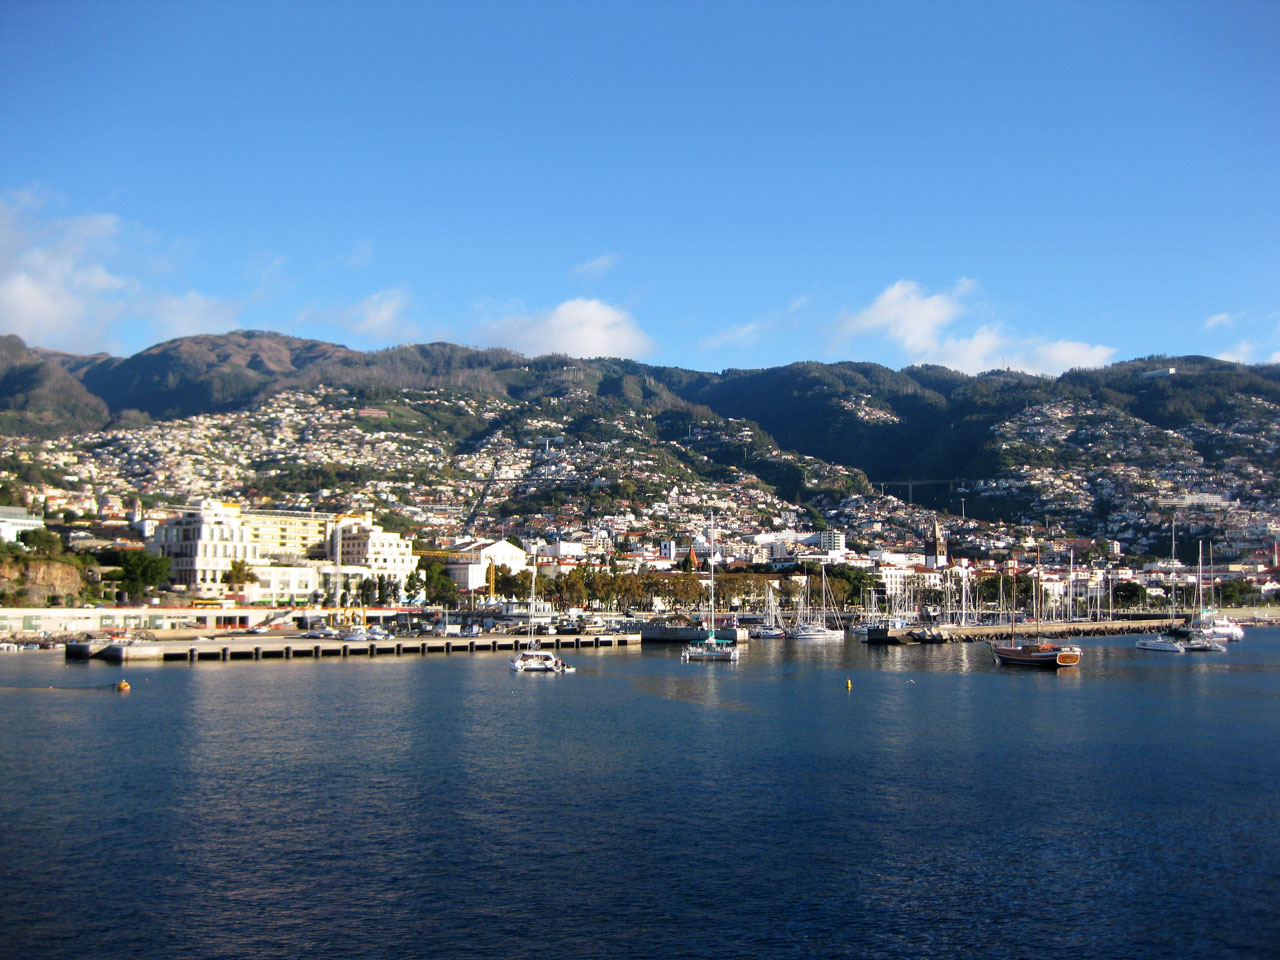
294	555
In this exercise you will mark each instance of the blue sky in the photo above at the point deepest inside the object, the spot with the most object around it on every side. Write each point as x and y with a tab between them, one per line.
707	185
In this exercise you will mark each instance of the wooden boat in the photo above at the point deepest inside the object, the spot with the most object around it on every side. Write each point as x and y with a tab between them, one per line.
1032	651
1025	652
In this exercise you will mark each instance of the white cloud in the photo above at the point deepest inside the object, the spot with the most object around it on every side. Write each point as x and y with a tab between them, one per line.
192	313
578	328
380	317
919	323
594	269
55	291
1219	320
905	314
1242	352
361	255
739	336
59	289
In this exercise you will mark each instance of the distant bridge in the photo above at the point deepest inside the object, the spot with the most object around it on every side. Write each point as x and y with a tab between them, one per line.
912	484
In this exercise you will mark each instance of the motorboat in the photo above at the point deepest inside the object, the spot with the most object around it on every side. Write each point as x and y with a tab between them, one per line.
1026	652
1219	628
816	631
1162	642
538	661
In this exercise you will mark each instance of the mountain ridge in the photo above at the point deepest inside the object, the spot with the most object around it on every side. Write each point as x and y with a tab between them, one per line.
922	422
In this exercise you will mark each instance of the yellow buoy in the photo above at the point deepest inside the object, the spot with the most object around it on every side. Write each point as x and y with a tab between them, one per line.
123	686
848	684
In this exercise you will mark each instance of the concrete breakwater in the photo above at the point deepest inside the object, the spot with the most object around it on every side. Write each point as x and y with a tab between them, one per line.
290	648
974	632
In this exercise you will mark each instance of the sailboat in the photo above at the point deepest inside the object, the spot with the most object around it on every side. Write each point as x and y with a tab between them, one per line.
1174	639
1032	651
535	659
1198	640
772	628
814	625
1208	620
709	646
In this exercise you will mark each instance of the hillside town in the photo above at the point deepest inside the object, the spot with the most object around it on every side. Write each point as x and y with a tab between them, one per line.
313	495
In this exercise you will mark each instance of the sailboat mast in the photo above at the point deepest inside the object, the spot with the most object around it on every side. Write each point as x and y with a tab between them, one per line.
711	559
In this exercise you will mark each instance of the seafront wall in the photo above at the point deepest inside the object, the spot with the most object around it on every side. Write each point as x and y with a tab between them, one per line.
169	621
296	647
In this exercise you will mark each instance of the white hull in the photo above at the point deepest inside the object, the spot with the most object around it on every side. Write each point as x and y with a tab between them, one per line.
710	652
537	661
817	633
1159	643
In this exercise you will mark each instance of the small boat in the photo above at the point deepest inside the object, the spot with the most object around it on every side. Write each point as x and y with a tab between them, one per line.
1201	643
1219	628
772	628
813	625
1032	651
538	661
707	643
710	649
1024	652
535	659
816	631
1162	642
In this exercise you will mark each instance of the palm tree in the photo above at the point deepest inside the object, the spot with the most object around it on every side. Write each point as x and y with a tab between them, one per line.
239	575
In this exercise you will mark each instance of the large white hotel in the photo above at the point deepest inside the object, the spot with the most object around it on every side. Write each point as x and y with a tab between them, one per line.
297	556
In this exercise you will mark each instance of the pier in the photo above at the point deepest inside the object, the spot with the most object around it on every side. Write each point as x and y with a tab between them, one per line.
223	649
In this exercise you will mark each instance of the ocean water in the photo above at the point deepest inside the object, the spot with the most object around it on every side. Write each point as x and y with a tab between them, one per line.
443	807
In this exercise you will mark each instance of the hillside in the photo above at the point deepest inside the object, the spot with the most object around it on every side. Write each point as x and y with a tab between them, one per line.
923	423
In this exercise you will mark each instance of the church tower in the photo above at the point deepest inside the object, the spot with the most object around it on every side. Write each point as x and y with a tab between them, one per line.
935	548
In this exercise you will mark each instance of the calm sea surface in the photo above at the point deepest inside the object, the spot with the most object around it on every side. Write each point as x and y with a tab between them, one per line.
443	807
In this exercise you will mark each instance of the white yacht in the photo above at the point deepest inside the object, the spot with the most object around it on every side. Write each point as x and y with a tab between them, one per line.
813	626
1218	627
535	659
1162	642
816	631
538	661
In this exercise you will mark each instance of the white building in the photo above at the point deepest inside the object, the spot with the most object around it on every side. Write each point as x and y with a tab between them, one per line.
831	541
358	544
15	520
295	555
468	564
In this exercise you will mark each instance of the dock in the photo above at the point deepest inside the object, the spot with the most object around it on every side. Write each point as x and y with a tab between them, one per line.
224	649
